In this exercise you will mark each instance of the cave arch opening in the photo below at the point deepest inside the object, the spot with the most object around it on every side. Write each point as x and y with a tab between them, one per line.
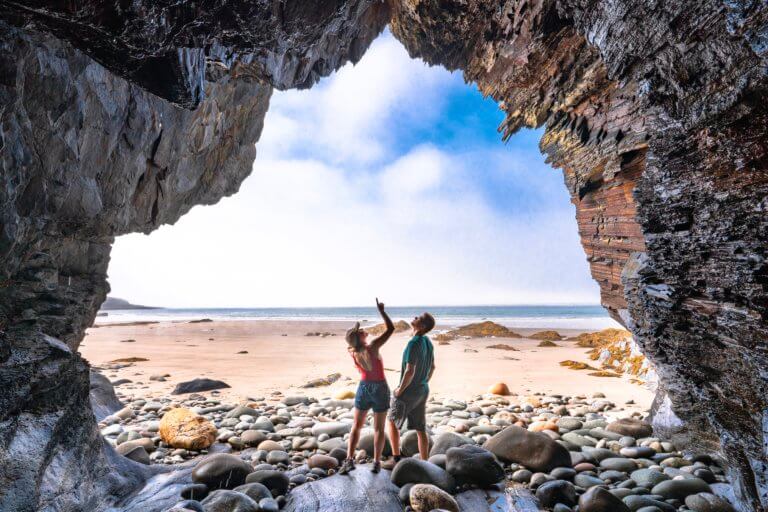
387	179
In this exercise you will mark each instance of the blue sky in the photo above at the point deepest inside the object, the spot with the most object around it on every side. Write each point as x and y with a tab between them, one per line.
387	179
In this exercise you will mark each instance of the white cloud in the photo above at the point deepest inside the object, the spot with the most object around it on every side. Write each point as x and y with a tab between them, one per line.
350	117
336	213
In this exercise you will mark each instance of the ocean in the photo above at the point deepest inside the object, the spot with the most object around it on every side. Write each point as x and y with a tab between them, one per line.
563	317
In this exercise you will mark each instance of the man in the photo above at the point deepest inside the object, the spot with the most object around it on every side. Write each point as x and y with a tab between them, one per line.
409	399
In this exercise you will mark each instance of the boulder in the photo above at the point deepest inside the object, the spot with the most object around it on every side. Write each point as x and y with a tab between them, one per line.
187	506
534	450
556	491
447	440
470	464
417	471
242	410
427	497
707	502
597	499
103	399
198	385
366	444
253	437
332	429
680	489
499	389
182	428
134	452
255	491
221	471
322	461
631	427
229	501
194	492
409	443
276	481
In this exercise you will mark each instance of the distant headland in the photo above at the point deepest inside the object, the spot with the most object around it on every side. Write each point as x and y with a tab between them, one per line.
113	303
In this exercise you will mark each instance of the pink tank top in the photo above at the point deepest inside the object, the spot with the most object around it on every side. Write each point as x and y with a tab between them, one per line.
376	373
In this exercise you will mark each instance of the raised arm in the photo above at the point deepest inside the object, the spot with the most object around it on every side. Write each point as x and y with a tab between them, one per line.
390	327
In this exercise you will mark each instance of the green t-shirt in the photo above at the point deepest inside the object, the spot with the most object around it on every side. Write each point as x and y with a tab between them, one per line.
419	353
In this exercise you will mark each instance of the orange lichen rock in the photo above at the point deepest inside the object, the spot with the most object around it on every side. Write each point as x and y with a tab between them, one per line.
601	338
182	428
485	329
603	373
576	365
547	336
499	389
538	426
502	346
378	329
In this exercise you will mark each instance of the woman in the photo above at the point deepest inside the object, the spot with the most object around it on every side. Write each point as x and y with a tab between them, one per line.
372	392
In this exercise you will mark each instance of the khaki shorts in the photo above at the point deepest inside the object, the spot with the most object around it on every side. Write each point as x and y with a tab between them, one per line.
409	407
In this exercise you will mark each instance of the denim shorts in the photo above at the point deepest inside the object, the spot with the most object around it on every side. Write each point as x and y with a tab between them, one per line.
372	395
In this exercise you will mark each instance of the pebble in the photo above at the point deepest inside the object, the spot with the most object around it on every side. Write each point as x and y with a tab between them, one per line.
267	447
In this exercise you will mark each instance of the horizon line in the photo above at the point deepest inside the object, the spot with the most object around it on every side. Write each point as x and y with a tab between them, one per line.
531	304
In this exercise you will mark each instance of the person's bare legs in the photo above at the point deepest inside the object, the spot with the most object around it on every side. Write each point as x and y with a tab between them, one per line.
379	418
354	434
354	437
423	444
394	438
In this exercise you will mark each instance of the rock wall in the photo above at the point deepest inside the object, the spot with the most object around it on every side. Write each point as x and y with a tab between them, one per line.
655	111
86	156
656	114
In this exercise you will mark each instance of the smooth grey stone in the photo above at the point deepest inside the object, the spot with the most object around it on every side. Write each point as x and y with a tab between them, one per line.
680	489
221	471
276	481
254	490
586	481
332	429
194	492
533	450
443	442
187	506
636	502
598	499
556	491
648	477
229	501
707	502
268	505
473	465
198	385
638	452
410	470
619	464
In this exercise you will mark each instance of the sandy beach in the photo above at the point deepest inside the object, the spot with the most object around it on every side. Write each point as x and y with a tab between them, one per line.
279	356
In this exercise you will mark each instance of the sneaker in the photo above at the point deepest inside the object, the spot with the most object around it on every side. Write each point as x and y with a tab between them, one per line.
347	466
392	462
376	467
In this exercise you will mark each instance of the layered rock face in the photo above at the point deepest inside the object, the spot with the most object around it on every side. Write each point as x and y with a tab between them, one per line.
655	111
656	114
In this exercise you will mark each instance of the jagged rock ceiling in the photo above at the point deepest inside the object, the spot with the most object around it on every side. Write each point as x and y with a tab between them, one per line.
120	116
